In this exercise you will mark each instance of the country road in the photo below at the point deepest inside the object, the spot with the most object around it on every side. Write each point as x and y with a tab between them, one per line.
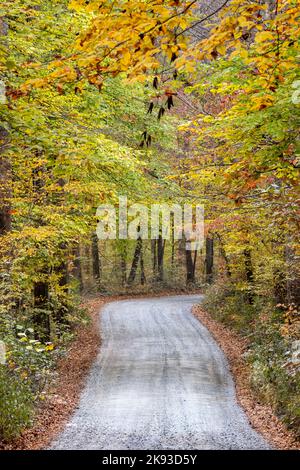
160	382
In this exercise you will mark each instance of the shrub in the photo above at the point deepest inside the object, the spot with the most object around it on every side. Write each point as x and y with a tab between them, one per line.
23	378
272	378
230	305
272	332
16	405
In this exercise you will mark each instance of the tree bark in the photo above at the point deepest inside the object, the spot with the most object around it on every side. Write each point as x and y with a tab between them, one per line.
135	261
190	262
249	274
5	185
209	259
190	278
195	261
224	256
154	258
5	165
97	271
123	268
77	268
160	258
172	240
62	271
143	276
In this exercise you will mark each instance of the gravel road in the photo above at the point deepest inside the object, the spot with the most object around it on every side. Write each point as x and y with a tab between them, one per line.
160	382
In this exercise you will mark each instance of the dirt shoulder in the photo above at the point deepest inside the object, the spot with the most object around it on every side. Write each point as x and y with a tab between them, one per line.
261	416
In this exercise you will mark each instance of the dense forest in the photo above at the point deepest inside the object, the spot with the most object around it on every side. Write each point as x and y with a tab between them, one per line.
177	102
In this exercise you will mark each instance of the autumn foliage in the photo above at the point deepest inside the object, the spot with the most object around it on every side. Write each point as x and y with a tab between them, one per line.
170	100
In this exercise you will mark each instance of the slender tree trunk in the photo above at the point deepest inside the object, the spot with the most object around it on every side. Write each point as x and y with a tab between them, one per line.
96	260
135	261
5	211
160	258
209	259
77	268
224	256
123	267
190	278
195	261
62	271
190	262
143	276
172	240
154	258
5	184
5	166
249	274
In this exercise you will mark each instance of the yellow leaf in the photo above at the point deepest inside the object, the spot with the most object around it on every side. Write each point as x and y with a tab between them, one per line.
126	58
264	36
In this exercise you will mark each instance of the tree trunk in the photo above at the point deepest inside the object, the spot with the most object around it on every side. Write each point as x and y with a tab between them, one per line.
195	261
96	260
190	278
190	263
172	241
143	276
154	258
249	274
160	258
209	259
5	166
62	271
5	185
77	268
135	261
123	268
224	256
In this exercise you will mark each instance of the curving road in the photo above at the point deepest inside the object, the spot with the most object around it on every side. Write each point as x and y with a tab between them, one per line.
160	382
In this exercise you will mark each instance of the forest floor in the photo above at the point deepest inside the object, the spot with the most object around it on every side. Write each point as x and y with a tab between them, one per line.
63	398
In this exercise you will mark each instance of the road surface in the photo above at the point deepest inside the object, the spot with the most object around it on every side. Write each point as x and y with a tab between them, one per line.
160	382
